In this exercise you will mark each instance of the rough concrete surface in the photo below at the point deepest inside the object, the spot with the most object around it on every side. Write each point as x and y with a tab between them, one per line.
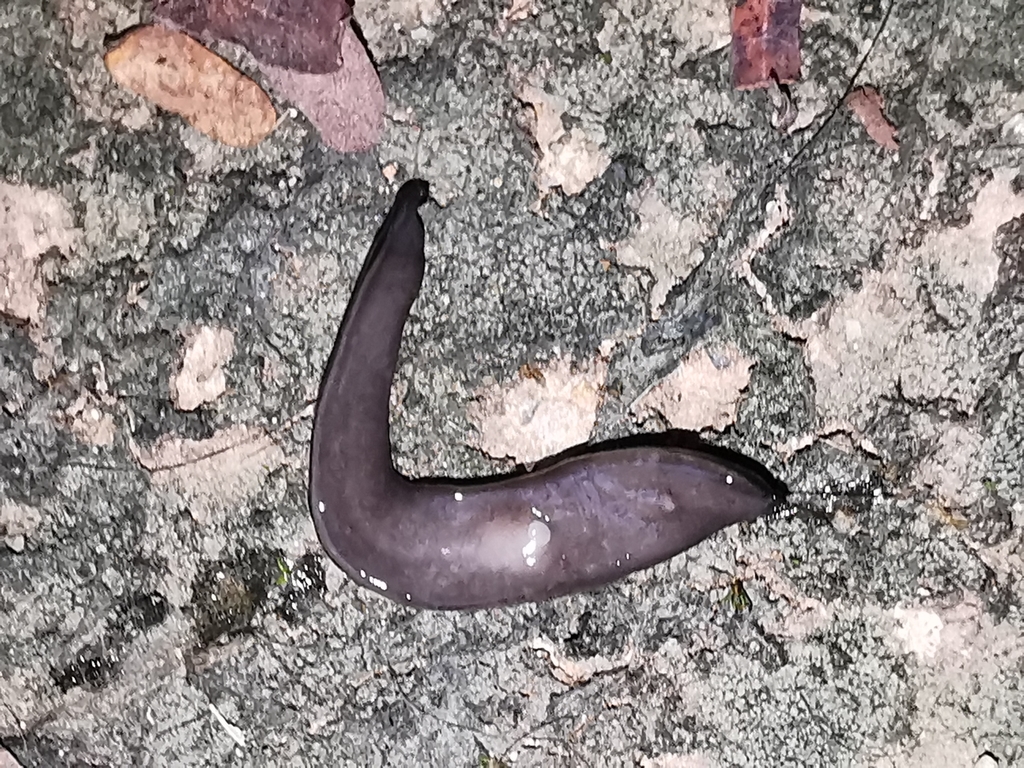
163	600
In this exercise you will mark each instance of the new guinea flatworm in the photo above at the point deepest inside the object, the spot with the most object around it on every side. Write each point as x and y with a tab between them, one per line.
577	524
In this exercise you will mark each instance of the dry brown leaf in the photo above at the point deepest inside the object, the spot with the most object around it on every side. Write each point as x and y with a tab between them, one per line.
178	74
867	104
531	371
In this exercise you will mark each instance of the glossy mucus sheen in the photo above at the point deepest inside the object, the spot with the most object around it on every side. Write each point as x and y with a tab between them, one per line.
575	525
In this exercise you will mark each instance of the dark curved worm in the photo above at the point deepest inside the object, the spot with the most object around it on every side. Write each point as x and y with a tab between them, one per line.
581	523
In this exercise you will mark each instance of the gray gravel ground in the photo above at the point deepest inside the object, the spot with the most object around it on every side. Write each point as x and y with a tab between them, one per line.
189	618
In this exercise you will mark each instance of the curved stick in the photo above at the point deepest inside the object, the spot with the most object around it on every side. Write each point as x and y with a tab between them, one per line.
576	525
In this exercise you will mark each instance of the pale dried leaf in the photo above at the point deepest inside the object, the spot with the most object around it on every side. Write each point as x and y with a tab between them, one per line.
951	472
32	221
677	760
703	391
519	10
214	474
879	338
89	422
17	522
567	160
665	244
175	72
550	409
201	378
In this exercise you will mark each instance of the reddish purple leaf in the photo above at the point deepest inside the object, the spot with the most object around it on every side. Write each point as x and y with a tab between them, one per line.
867	104
304	35
346	106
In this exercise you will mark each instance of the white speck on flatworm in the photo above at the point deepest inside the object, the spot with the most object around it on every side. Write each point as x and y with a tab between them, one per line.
379	583
539	535
408	596
362	574
530	551
458	496
322	507
728	479
627	555
536	512
618	563
547	519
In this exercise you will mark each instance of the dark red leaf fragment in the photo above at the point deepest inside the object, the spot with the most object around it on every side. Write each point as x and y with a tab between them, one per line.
765	43
867	104
302	35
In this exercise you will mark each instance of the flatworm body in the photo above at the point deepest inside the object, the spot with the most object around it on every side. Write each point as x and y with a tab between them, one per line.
578	524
